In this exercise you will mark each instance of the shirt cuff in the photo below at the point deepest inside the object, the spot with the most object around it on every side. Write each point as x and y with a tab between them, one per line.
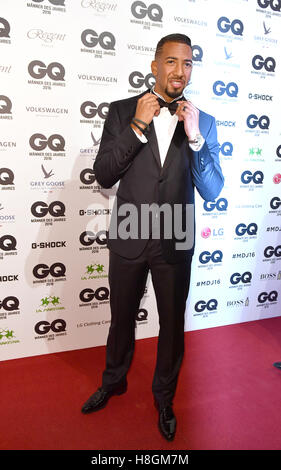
142	137
196	147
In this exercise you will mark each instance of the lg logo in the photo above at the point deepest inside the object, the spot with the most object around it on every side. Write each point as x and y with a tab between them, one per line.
106	40
6	177
140	10
5	104
136	80
220	205
55	142
250	229
41	209
87	176
41	271
253	121
43	327
275	203
275	5
271	297
88	238
231	89
226	149
10	303
236	26
249	177
244	278
258	62
89	110
8	243
206	256
269	251
211	305
38	70
87	295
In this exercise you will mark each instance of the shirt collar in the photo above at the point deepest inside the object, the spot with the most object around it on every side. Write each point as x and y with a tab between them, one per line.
159	96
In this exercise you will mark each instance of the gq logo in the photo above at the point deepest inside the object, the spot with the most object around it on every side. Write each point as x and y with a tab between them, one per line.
206	256
41	209
55	142
106	40
53	2
41	271
269	251
278	151
275	203
231	89
8	243
142	314
89	109
197	53
275	5
236	26
271	297
5	104
211	305
253	121
258	62
88	238
87	176
220	205
140	10
244	278
249	177
136	80
6	176
38	70
10	303
4	28
250	229
87	295
226	149
43	327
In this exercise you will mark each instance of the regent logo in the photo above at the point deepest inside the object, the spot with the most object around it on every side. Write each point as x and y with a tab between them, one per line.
56	270
5	105
275	5
9	304
231	89
4	28
275	203
201	305
101	294
100	7
277	178
243	229
8	243
55	142
137	80
248	177
43	327
226	149
225	25
140	10
270	251
270	297
45	36
6	177
41	209
220	205
105	40
253	121
38	70
215	257
197	53
89	110
245	278
87	176
88	238
269	64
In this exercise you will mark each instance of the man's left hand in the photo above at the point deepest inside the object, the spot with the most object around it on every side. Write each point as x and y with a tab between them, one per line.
188	113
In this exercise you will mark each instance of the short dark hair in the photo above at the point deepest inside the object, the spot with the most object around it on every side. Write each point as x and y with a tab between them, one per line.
172	38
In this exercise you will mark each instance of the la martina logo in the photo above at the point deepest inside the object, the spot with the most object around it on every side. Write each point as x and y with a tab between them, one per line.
50	303
94	271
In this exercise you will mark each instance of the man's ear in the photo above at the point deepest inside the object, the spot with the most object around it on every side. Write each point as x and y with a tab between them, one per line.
154	68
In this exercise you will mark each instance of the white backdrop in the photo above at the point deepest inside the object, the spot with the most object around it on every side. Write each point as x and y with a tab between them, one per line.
61	63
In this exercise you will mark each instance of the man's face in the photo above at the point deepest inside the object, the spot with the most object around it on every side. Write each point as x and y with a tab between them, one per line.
172	69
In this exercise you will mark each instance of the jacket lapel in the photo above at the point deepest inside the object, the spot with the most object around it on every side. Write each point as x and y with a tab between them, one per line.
152	140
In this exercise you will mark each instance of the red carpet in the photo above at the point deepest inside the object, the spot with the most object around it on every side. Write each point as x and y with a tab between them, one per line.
229	396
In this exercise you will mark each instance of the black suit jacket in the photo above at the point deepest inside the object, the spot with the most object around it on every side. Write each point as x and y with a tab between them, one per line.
122	156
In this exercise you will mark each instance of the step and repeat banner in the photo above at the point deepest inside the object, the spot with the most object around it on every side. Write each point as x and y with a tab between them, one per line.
61	63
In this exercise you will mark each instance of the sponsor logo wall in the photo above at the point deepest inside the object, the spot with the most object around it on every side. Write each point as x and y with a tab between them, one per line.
61	64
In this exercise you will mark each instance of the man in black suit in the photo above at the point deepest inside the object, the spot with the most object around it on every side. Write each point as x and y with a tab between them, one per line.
158	146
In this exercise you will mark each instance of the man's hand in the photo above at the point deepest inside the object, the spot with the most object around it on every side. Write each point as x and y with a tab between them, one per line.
188	113
147	107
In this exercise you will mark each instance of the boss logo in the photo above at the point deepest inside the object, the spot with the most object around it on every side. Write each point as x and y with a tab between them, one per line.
43	327
89	109
87	176
244	278
140	10
211	305
275	5
231	89
38	70
88	238
87	295
250	229
4	28
226	149
271	297
253	121
8	243
249	177
275	203
41	271
136	80
206	256
41	209
9	304
258	62
220	205
6	177
236	26
5	104
269	251
106	39
55	142
197	53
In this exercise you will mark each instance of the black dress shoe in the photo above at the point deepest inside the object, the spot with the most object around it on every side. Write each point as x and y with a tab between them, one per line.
167	422
99	399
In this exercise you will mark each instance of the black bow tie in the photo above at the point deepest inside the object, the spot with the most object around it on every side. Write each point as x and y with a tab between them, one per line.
172	107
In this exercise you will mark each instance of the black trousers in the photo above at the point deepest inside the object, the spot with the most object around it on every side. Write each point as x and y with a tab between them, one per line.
127	280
